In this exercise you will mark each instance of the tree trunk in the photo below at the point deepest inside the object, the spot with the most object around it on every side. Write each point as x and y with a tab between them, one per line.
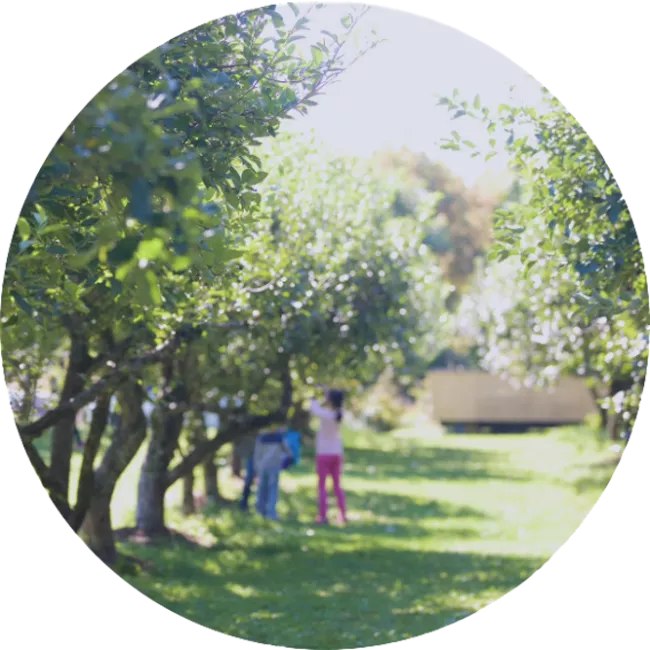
211	481
236	462
613	421
63	433
154	480
96	529
151	504
86	485
602	411
188	494
620	384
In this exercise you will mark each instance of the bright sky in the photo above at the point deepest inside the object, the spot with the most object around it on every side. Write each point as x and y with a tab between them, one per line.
386	100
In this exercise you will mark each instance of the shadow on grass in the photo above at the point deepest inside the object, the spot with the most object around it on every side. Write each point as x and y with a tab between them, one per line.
597	476
301	596
433	464
300	586
387	503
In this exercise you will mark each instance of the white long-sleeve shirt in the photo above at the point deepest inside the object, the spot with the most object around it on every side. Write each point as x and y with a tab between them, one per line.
328	437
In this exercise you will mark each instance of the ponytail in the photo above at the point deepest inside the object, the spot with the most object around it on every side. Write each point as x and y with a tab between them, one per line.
335	398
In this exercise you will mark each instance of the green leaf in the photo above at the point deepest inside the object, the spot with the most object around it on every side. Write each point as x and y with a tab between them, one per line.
294	8
317	55
232	199
154	288
469	144
334	37
22	303
229	254
614	211
181	263
40	216
151	249
456	135
57	227
24	229
249	177
124	250
178	108
514	228
278	21
477	102
346	21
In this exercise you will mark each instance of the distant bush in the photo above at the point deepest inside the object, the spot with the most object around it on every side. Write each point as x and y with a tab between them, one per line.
423	400
384	406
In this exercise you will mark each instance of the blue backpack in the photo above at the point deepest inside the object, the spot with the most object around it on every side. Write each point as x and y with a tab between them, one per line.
293	440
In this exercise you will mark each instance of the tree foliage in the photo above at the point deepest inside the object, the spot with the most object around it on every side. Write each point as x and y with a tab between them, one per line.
138	234
566	290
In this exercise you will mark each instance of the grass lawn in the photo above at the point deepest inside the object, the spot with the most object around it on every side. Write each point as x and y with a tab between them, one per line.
442	526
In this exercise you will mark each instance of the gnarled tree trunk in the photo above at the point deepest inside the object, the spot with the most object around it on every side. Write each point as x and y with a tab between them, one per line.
153	483
87	476
63	433
97	528
167	425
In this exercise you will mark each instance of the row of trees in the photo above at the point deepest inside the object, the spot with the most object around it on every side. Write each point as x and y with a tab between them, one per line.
174	239
564	290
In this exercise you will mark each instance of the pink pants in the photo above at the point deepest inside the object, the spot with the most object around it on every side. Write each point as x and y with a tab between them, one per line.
329	465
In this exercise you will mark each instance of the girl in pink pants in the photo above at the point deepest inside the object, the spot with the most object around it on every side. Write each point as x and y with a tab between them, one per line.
329	451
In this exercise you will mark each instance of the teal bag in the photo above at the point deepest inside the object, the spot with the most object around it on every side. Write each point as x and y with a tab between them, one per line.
293	440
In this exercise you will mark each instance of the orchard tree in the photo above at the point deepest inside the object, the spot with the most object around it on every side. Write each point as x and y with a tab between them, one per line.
149	191
329	289
582	299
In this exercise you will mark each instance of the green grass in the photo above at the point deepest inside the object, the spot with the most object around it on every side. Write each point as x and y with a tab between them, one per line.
441	527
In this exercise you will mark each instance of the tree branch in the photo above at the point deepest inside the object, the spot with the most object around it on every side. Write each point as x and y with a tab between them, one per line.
118	374
38	464
238	424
